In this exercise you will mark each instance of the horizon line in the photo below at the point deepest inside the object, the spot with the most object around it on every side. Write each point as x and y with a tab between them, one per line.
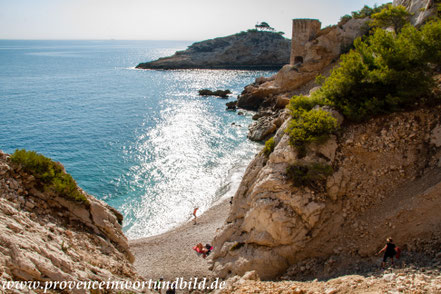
107	39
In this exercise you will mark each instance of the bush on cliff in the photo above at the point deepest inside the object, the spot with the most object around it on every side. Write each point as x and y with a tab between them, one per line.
385	72
50	174
312	175
309	125
367	11
269	147
302	102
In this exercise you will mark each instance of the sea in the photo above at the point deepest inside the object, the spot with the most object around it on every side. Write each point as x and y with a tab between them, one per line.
143	141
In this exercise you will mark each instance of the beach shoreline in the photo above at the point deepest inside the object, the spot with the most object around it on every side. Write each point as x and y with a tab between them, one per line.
170	255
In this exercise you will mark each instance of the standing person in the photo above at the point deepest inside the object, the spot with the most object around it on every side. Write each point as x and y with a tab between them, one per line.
194	215
389	251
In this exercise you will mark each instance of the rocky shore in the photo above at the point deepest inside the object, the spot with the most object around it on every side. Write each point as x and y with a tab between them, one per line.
252	50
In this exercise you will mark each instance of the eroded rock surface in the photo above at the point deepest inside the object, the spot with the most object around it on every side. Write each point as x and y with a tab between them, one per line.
45	237
386	182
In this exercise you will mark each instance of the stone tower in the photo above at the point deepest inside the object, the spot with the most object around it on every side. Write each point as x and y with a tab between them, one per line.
303	31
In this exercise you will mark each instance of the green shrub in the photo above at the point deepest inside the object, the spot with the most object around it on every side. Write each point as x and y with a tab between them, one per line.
310	125
344	19
50	174
429	42
385	72
304	102
269	147
313	175
367	11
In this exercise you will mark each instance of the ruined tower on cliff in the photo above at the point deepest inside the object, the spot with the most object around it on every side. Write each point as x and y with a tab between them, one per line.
303	31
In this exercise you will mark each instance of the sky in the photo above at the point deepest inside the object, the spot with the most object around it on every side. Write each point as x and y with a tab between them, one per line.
160	19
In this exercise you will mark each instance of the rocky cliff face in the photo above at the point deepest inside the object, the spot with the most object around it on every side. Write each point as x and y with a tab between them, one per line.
45	237
247	50
386	181
421	10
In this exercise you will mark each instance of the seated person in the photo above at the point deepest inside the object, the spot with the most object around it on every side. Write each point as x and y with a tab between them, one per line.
199	248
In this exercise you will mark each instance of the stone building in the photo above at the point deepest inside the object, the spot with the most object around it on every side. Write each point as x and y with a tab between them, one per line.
303	31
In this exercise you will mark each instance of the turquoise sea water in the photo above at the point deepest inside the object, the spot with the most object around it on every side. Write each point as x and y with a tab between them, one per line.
143	141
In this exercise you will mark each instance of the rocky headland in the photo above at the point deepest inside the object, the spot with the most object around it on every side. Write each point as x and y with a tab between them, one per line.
251	50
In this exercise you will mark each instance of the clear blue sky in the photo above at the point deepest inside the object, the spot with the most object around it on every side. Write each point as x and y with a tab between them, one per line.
159	19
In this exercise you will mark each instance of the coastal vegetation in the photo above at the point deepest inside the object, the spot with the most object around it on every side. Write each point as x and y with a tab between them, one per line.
264	26
50	174
366	11
308	125
311	175
269	147
385	72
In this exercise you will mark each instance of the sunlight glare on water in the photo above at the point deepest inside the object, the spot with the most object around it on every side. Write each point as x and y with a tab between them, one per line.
186	158
144	141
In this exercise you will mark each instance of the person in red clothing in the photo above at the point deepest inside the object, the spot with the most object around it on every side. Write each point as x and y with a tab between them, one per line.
389	252
200	249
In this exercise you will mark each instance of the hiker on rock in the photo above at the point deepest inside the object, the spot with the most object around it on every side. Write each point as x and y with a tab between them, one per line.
389	252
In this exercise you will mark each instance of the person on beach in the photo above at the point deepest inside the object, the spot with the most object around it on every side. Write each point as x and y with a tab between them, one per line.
389	252
194	215
201	250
